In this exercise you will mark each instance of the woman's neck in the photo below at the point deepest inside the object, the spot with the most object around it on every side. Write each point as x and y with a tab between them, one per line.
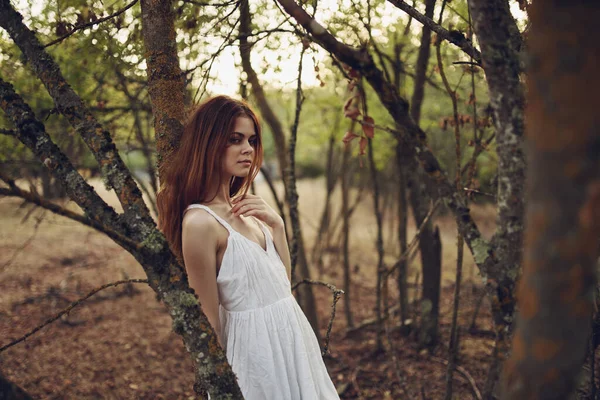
221	193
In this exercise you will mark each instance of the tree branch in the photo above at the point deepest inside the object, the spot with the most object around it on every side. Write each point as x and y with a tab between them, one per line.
453	37
8	132
68	310
96	22
337	293
32	134
15	191
413	135
81	119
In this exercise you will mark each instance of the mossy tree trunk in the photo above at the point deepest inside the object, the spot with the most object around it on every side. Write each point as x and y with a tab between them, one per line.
501	43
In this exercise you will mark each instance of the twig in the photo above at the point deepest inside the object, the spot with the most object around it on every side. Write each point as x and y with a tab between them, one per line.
453	347
8	132
414	240
96	22
453	37
473	325
465	374
207	4
353	379
469	191
292	191
68	309
25	243
337	293
15	191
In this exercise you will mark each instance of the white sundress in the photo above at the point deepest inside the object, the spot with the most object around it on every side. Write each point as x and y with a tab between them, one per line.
268	341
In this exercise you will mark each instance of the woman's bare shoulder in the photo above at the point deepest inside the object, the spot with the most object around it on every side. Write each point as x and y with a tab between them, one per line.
197	221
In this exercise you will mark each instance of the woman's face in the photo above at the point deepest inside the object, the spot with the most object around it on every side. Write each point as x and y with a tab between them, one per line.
241	148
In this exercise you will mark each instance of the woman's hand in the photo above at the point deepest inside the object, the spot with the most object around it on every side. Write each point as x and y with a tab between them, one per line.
251	205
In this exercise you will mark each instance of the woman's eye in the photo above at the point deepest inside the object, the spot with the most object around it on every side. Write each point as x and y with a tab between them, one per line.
234	140
253	142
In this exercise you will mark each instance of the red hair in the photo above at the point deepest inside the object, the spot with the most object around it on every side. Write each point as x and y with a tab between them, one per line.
196	163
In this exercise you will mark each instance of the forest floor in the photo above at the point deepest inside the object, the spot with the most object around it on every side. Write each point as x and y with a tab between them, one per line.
119	344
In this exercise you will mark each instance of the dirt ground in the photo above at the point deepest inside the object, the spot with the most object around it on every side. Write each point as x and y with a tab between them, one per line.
119	344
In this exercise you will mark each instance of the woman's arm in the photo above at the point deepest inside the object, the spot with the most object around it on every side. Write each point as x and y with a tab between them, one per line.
252	205
199	247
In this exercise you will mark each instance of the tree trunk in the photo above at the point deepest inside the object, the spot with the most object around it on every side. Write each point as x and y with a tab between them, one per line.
500	45
346	236
429	242
402	281
165	79
331	178
11	391
421	67
563	202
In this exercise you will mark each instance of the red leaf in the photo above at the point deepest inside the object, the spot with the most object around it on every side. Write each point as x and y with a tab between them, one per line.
352	112
362	145
348	137
369	130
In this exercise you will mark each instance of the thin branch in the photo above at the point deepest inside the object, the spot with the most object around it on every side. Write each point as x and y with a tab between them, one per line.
25	243
89	24
292	191
33	135
416	139
337	293
68	310
474	389
15	191
453	37
208	4
8	132
73	108
414	240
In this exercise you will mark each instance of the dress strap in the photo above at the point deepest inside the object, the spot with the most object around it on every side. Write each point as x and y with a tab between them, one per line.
211	212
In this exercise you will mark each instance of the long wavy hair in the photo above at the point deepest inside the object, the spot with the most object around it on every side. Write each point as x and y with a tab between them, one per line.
197	163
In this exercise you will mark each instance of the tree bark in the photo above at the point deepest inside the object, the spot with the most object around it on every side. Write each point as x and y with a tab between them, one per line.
563	201
165	79
501	42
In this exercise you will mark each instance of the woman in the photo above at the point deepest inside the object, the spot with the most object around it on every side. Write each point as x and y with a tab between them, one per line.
235	252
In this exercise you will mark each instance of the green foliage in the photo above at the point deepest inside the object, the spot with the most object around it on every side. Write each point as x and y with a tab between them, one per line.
105	65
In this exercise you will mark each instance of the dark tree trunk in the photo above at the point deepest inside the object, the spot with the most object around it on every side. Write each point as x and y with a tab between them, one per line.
420	199
421	67
346	236
11	391
563	202
402	280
